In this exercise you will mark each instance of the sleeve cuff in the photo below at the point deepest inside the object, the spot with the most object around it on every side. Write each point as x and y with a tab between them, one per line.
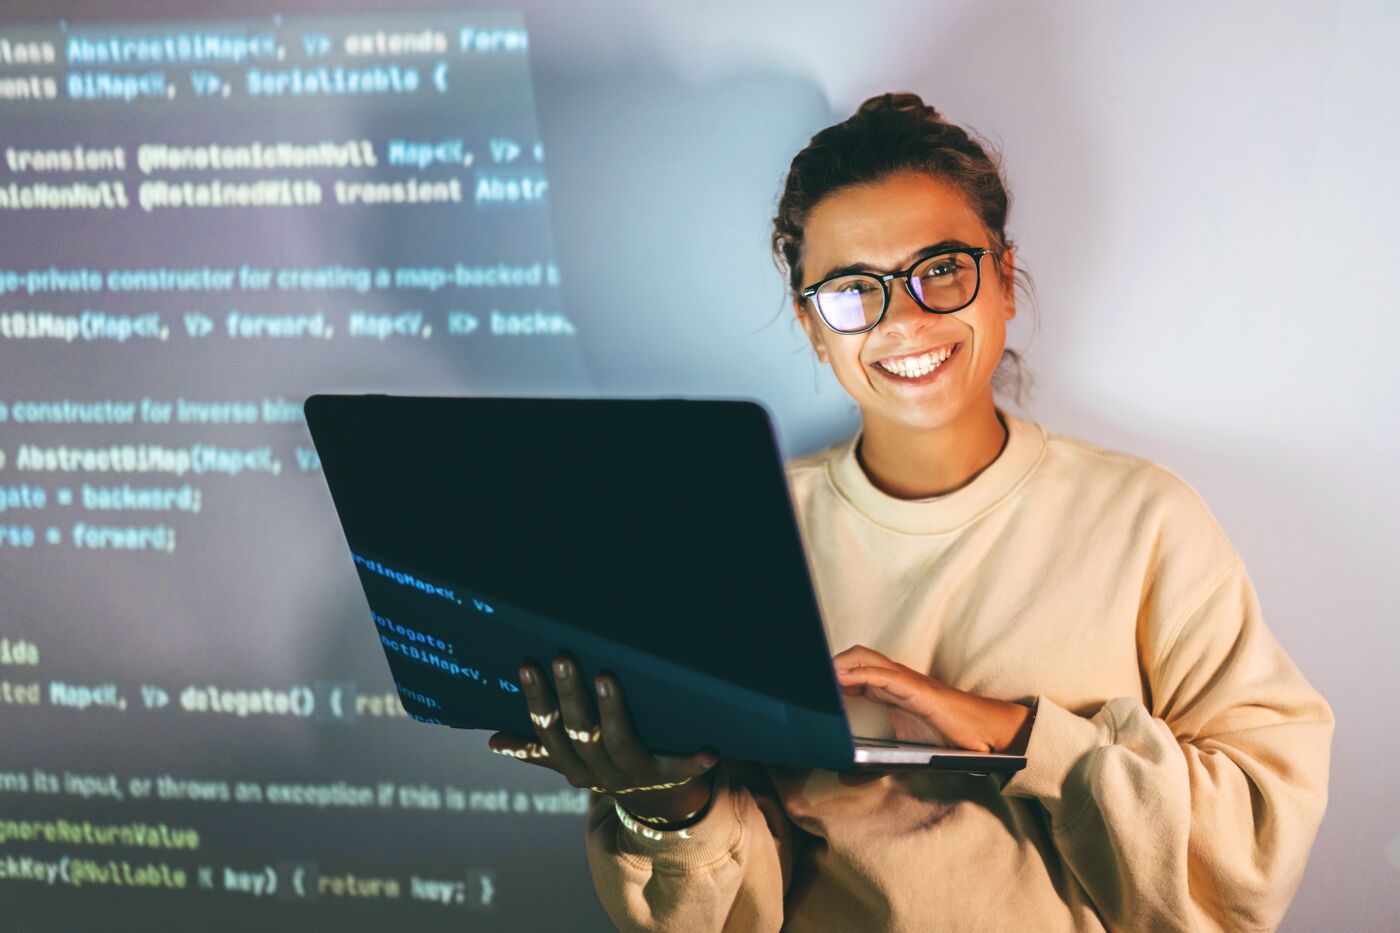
1060	742
716	834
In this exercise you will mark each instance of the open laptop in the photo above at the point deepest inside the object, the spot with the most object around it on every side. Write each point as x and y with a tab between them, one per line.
653	538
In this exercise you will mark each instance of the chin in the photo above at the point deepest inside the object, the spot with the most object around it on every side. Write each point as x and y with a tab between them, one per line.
928	423
923	418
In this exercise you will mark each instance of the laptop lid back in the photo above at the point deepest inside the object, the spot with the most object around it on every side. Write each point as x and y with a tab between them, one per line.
654	538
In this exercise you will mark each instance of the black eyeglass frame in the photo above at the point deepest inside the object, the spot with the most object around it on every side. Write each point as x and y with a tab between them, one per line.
976	252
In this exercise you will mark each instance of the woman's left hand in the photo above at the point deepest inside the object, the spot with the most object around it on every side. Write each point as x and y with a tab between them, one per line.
930	711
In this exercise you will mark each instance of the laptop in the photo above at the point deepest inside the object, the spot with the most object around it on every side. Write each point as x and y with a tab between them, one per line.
653	538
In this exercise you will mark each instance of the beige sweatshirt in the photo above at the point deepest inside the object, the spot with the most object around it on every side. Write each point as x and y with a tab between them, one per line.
1178	761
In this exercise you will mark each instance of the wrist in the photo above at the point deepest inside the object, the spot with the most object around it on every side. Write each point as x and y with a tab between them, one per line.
653	826
1015	732
677	805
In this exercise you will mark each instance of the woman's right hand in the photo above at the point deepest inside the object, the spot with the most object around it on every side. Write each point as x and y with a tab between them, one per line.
596	747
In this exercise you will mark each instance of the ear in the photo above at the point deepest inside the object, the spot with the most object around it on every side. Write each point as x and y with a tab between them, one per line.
1008	263
813	329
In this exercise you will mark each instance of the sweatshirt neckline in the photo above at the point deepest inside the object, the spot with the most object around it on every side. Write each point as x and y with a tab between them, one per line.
1025	446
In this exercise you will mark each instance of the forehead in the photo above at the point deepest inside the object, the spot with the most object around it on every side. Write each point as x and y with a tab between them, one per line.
883	222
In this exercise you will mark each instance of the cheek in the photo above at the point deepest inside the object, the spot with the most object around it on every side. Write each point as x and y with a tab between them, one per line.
848	367
986	332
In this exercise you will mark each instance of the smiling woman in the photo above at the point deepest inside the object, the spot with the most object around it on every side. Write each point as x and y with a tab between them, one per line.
988	584
928	200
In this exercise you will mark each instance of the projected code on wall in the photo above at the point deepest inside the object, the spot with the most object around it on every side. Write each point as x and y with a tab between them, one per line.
201	224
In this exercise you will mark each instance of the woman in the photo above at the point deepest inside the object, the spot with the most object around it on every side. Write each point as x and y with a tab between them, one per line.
992	585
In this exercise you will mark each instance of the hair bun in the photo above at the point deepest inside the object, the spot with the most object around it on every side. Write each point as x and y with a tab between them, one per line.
900	102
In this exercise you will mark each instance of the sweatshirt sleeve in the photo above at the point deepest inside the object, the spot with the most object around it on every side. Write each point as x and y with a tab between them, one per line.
1197	810
728	872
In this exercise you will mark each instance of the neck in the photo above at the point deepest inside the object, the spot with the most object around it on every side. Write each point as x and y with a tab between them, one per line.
916	463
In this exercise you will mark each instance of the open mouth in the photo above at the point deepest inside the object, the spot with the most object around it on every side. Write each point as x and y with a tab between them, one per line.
917	369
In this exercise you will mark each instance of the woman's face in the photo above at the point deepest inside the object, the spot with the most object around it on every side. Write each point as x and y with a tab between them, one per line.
885	225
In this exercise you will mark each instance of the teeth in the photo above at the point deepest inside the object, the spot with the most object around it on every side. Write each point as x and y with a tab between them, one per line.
914	367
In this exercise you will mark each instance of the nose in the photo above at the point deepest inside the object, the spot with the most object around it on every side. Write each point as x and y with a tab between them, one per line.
905	315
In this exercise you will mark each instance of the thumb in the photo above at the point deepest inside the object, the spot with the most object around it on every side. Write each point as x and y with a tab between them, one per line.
674	768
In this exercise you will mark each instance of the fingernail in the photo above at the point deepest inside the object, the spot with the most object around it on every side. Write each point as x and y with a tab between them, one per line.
708	761
527	677
562	669
602	686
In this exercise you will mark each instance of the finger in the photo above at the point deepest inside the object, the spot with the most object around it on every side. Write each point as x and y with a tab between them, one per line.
893	683
626	749
861	656
581	723
620	737
549	727
521	747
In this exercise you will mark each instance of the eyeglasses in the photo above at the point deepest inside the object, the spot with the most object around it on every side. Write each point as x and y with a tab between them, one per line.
942	283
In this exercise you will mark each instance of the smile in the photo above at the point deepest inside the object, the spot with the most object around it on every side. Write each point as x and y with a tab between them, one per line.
918	368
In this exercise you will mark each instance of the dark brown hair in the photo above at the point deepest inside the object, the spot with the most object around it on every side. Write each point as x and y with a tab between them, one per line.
889	134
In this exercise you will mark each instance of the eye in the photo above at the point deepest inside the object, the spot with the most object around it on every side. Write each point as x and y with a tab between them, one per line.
857	286
944	269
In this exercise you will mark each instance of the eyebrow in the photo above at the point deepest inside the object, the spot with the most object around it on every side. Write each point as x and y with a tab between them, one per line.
908	260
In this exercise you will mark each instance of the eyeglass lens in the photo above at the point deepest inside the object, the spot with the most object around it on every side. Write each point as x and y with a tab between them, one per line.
941	283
